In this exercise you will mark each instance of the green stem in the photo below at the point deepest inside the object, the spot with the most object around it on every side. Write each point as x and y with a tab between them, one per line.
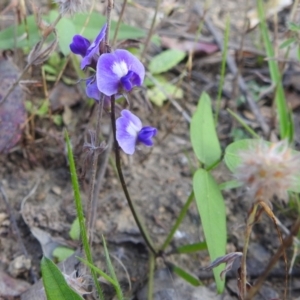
178	221
136	217
80	214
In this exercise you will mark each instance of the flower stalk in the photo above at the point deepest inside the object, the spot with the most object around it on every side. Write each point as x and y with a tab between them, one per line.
136	217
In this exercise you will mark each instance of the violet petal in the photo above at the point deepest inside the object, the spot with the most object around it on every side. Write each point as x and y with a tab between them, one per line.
146	134
79	45
128	127
93	50
92	89
113	69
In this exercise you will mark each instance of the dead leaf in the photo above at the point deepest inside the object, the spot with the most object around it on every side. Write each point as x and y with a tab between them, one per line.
12	111
189	46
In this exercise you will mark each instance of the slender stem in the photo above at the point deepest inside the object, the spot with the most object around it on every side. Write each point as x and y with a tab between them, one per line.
249	225
139	223
150	30
92	203
119	22
110	4
182	214
151	276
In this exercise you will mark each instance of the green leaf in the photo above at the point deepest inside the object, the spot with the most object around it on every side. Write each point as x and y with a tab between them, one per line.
287	43
65	31
281	104
158	96
43	109
203	133
185	275
112	271
62	253
165	61
96	21
80	213
28	35
97	270
232	157
294	27
228	185
20	36
55	284
57	119
74	232
192	248
211	208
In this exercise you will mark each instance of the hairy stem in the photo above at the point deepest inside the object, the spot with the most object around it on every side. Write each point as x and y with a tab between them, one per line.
249	225
92	203
139	223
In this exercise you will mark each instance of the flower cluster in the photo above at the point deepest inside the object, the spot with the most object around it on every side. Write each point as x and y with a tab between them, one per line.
116	73
269	169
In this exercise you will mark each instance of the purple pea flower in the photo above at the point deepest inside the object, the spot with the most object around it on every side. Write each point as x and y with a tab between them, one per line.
119	71
130	131
89	51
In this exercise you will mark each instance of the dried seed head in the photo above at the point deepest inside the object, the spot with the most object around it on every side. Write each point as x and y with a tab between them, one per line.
269	170
72	6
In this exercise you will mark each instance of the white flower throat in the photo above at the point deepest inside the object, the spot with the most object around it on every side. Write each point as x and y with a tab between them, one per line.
132	129
120	68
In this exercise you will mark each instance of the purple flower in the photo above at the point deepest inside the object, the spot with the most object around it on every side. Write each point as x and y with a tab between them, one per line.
93	92
130	131
89	52
119	71
79	45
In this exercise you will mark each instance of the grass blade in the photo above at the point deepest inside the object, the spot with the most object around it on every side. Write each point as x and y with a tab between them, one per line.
80	214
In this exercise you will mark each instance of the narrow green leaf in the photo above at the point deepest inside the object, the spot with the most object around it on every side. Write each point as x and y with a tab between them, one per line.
74	232
223	68
97	270
62	253
112	271
55	284
80	214
294	27
185	275
287	43
211	208
192	248
280	100
165	61
203	133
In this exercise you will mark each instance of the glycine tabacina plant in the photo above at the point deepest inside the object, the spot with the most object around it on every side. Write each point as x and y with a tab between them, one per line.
116	73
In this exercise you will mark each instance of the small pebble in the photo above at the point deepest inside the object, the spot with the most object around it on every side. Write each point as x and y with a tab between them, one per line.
19	265
56	190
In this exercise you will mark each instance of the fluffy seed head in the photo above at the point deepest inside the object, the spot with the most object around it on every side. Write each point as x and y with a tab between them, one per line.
269	170
72	6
